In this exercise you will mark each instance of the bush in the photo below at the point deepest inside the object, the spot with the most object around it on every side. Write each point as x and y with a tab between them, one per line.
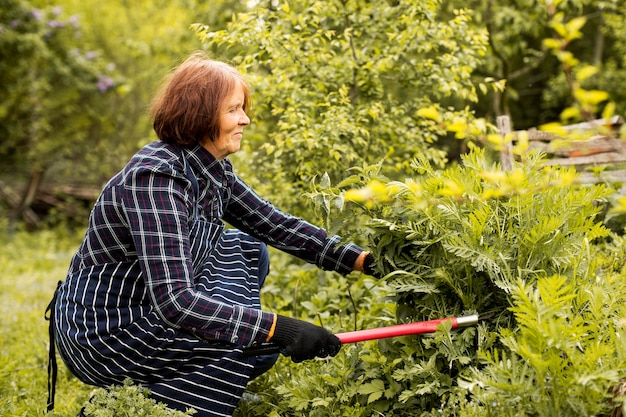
128	399
522	244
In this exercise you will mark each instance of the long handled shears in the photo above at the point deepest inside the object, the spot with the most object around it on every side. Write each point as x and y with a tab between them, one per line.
408	329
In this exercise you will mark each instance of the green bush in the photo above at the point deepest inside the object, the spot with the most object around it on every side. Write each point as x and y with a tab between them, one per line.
525	245
128	399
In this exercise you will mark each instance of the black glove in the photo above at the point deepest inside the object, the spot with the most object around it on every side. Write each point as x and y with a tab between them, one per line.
302	340
368	267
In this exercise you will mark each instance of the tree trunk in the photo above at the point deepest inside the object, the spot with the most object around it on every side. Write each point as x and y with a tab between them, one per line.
22	210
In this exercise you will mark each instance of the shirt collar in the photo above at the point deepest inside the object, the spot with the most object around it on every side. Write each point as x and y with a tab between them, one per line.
205	165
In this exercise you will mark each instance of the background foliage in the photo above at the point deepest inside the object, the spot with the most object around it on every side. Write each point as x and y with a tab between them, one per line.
341	83
473	239
381	113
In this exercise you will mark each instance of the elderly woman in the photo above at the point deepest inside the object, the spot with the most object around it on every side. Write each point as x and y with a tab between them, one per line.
160	291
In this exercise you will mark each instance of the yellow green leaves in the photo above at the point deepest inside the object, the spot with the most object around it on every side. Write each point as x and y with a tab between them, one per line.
590	98
586	102
565	32
429	113
462	124
555	128
339	84
585	72
620	206
570	30
484	183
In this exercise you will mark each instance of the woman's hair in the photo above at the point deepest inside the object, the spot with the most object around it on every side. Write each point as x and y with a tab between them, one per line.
186	110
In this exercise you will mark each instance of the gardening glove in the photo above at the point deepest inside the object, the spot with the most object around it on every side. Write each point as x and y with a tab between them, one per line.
368	267
302	340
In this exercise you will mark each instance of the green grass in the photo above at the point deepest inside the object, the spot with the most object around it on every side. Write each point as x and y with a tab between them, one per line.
31	265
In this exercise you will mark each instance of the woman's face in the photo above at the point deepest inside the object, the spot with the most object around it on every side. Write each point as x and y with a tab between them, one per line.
232	120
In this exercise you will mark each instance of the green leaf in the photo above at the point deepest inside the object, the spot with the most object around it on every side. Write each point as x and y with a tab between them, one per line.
373	389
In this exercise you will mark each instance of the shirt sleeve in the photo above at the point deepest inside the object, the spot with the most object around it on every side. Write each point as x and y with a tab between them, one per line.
249	212
158	205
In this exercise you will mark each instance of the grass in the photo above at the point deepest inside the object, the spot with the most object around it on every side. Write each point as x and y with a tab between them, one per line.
31	265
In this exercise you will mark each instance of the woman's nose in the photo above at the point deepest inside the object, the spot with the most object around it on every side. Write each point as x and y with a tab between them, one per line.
244	119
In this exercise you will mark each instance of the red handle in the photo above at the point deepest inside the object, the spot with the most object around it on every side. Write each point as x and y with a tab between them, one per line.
408	329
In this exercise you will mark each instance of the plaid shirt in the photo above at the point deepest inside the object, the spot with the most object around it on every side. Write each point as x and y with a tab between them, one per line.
139	228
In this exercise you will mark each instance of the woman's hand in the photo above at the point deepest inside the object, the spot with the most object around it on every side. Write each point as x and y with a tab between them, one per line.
301	340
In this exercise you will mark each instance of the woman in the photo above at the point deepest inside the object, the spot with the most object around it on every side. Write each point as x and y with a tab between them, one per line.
159	291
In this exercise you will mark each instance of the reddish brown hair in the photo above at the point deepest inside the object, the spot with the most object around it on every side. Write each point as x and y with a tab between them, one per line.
186	110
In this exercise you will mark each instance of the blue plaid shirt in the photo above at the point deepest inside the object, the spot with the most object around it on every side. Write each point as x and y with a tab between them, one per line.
140	224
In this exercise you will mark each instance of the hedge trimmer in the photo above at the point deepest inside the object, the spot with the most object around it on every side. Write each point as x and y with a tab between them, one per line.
408	329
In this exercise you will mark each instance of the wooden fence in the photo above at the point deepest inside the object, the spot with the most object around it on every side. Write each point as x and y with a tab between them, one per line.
594	148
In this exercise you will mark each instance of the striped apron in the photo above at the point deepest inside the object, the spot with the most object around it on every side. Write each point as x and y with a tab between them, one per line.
103	345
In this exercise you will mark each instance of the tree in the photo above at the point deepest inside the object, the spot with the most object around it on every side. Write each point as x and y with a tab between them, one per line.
143	40
340	83
43	80
536	84
77	77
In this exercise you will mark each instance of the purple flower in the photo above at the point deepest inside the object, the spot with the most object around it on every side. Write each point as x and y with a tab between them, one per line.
15	23
91	55
56	24
57	10
104	83
36	14
73	20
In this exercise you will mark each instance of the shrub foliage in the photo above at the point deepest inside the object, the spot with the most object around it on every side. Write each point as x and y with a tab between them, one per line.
525	246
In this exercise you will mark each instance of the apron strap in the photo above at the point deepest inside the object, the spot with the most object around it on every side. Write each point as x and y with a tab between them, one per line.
194	181
52	360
